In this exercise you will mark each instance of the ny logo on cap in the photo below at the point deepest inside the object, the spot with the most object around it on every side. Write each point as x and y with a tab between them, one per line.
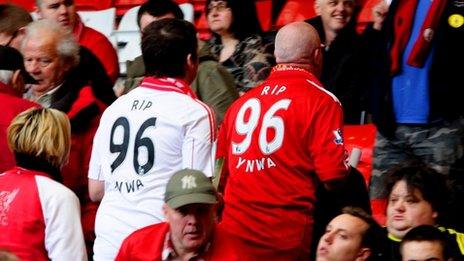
188	182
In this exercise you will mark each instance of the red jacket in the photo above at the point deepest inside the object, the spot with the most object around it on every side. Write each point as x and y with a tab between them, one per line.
11	107
148	243
84	114
22	224
100	46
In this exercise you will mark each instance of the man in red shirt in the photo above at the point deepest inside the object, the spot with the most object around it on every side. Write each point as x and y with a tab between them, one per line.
276	141
64	13
12	79
190	232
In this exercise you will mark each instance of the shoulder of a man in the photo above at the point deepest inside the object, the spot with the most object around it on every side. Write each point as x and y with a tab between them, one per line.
147	240
224	248
455	240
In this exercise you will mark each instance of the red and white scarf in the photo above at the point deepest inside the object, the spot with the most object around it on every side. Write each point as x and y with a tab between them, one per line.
402	26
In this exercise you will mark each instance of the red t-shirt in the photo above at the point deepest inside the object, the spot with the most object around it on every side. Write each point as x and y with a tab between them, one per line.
276	140
148	243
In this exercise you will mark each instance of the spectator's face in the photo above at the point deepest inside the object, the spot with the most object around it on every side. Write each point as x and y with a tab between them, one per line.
147	19
335	14
61	11
342	240
407	209
43	63
219	17
422	251
190	225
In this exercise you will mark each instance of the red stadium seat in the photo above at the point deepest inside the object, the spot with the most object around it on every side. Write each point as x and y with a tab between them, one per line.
264	10
365	16
295	10
29	5
92	5
123	5
363	137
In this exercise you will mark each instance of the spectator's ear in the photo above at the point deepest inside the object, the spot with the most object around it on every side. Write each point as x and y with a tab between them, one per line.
191	68
17	82
38	12
165	210
364	254
22	31
317	6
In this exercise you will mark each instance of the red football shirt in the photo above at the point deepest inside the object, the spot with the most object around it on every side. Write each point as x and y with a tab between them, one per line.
276	140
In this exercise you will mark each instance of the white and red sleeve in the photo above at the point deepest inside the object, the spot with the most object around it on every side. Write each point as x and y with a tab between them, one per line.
64	239
95	167
197	146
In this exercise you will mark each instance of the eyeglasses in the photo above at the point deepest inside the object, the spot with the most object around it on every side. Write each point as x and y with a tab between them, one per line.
219	7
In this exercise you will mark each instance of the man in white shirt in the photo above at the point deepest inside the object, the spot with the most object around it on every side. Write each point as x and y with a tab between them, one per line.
147	135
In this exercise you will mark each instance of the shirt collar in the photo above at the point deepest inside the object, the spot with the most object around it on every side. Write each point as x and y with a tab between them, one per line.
169	253
167	84
45	99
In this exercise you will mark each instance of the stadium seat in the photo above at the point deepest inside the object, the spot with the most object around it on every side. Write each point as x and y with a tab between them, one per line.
264	10
92	5
102	21
127	37
187	10
123	6
363	138
295	10
365	15
28	5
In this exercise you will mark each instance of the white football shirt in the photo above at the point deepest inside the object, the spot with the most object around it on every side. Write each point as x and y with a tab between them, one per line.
144	137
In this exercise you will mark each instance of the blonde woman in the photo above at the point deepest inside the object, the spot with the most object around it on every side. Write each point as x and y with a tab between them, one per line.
39	217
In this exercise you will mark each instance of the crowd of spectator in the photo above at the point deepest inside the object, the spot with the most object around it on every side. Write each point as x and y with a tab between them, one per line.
232	148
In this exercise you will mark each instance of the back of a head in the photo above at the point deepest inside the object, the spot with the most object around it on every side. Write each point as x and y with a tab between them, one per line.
295	43
431	184
166	44
12	18
374	237
44	134
158	8
51	32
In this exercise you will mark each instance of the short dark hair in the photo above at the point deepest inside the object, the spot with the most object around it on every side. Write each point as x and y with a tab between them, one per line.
12	18
426	233
159	8
166	43
245	22
431	184
374	237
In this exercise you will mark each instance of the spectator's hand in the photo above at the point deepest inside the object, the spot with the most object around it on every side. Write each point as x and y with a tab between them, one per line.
379	12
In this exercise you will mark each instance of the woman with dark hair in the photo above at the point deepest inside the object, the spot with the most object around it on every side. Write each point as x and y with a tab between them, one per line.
39	217
236	41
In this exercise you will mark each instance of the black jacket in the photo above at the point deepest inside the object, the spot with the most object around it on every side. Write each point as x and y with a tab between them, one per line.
343	69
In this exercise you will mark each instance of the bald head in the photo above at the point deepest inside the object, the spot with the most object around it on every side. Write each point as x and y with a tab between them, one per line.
296	44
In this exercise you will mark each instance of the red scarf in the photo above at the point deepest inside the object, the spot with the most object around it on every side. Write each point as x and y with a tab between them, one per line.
402	26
